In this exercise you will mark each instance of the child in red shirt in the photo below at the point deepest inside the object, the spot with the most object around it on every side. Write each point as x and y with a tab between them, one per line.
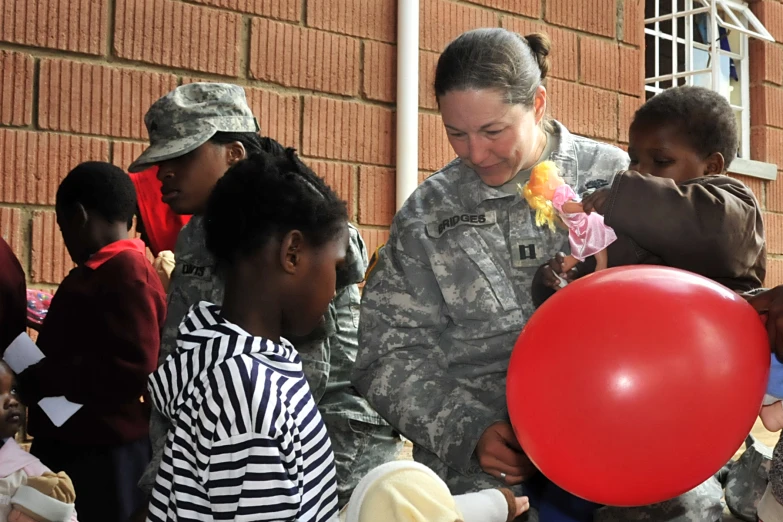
101	339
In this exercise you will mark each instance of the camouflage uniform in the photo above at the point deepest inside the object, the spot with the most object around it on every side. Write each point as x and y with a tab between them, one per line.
446	301
180	122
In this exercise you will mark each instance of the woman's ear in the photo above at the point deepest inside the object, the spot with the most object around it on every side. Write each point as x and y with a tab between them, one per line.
539	104
235	152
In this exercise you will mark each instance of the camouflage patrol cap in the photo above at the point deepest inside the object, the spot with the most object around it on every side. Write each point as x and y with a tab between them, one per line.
189	116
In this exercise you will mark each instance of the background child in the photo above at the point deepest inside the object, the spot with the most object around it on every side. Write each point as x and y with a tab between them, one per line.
19	468
101	338
679	209
234	389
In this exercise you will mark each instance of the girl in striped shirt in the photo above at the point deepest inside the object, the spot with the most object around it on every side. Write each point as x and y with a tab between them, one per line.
248	442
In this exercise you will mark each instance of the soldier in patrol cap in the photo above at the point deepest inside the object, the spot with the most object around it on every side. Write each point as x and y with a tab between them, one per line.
448	294
197	132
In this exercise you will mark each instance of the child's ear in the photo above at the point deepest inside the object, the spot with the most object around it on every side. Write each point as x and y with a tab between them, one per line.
715	164
291	251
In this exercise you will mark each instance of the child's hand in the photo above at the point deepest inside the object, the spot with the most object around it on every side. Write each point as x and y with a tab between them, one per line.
596	202
771	304
772	416
523	504
553	269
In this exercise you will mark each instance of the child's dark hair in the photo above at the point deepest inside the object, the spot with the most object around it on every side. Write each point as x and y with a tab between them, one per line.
100	187
702	117
268	195
252	142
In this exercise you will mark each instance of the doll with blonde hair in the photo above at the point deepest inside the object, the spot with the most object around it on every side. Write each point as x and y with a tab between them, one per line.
553	200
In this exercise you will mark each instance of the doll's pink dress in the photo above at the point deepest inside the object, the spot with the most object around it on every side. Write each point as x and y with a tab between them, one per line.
588	234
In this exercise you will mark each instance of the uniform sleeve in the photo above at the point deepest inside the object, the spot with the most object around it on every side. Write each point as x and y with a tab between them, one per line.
131	318
711	225
244	470
401	367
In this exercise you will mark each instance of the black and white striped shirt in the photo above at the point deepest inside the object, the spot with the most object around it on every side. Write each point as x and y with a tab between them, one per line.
248	442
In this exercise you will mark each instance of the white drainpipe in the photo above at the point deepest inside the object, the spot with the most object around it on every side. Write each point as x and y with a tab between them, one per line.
407	98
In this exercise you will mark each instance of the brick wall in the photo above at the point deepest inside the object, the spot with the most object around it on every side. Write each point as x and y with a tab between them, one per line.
766	118
78	76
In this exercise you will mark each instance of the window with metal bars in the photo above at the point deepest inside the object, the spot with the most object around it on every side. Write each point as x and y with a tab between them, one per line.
703	42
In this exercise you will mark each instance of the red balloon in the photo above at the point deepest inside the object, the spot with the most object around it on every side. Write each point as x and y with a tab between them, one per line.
636	384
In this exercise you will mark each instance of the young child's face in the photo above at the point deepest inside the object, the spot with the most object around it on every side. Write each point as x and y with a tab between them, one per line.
662	151
188	180
315	284
10	407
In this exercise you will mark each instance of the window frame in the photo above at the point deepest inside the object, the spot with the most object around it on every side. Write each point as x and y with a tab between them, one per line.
726	14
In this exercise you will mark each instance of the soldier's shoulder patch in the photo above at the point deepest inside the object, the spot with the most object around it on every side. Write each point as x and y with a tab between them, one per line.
373	261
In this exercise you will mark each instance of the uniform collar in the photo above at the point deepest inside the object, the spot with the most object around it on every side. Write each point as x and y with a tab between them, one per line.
112	249
473	191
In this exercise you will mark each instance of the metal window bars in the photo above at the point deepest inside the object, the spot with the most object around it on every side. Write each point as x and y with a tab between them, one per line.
709	47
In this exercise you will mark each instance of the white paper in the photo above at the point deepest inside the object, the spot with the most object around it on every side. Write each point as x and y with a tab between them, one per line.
22	353
58	409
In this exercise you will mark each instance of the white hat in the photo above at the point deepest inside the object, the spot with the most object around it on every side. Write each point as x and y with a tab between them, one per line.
406	491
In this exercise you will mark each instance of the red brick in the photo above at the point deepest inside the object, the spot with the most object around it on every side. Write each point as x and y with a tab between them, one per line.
774	193
16	88
756	185
50	261
440	21
628	106
586	110
428	62
373	238
774	273
279	9
278	115
96	99
773	229
631	71
69	25
435	152
34	163
767	106
297	57
633	22
379	78
176	34
340	177
599	63
124	153
348	131
531	8
770	13
766	62
377	195
11	229
766	144
374	19
564	46
423	175
594	17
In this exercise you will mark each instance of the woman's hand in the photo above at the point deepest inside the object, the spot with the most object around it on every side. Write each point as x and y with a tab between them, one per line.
770	303
500	455
596	202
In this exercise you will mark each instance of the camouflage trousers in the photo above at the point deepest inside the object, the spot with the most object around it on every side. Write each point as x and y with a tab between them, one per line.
359	447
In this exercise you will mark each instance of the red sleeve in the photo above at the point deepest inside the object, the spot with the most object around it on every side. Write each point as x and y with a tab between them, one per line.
13	296
128	331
